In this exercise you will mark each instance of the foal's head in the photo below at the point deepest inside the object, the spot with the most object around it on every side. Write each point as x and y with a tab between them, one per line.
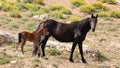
93	22
42	30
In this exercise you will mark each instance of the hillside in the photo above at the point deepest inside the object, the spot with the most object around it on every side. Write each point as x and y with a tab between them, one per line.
106	38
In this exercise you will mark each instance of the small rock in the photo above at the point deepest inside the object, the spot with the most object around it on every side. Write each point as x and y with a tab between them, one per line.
13	62
41	17
6	37
118	1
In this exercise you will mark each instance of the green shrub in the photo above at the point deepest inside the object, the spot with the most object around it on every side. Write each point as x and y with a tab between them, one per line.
39	2
115	13
14	13
94	7
74	19
20	6
2	0
6	6
56	7
109	1
99	6
27	1
42	10
59	8
57	15
77	3
53	52
4	58
103	14
87	8
102	56
66	11
31	7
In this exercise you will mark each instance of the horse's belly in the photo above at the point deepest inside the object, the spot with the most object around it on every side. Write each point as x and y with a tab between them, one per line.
64	39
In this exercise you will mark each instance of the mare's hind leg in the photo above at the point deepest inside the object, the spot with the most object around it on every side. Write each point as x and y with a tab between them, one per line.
81	52
72	50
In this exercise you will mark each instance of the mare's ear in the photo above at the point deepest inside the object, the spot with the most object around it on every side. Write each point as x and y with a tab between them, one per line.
92	15
97	16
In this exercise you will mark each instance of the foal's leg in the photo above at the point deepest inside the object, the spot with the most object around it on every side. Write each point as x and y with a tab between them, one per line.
72	50
35	50
81	52
22	46
39	50
17	44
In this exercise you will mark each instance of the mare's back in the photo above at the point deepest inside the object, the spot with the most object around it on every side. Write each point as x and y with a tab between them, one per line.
60	31
54	24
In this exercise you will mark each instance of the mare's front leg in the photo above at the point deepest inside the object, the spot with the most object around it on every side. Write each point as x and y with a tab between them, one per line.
81	52
72	50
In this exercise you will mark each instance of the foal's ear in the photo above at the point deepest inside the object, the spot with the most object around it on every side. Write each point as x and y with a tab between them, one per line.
92	15
97	16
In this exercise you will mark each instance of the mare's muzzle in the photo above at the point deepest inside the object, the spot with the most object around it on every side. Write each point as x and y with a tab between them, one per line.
93	30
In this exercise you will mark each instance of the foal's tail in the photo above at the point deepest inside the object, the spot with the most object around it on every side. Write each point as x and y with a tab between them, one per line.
19	37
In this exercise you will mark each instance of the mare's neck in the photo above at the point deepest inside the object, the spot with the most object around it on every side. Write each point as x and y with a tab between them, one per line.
86	25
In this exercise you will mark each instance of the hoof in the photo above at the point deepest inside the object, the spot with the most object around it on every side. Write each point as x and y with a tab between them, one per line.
46	58
39	54
71	60
22	55
42	56
84	61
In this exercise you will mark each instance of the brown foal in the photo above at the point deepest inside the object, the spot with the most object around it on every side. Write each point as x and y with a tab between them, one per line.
34	37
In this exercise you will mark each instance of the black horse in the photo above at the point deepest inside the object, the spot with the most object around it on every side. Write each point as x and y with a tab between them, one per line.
74	32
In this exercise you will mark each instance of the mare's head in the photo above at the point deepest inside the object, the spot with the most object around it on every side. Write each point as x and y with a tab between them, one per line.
93	22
